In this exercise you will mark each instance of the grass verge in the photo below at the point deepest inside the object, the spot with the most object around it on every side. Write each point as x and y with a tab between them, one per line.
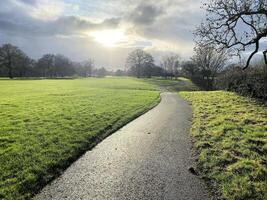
230	134
46	124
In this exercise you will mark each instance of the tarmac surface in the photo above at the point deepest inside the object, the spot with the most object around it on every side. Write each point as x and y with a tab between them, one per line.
148	158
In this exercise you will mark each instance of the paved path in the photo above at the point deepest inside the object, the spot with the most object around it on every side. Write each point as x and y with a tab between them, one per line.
146	159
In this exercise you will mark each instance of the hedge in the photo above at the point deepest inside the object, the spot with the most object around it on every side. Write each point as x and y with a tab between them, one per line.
250	82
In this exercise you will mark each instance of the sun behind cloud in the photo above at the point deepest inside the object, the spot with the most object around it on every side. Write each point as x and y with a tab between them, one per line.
109	38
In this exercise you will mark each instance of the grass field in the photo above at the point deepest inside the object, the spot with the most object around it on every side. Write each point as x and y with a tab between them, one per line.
173	85
230	134
46	124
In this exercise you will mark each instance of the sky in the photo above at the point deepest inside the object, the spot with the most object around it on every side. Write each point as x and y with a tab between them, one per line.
103	30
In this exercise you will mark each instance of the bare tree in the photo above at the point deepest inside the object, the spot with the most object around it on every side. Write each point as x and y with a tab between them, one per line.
9	58
170	64
87	67
189	69
25	65
210	62
102	72
139	62
235	25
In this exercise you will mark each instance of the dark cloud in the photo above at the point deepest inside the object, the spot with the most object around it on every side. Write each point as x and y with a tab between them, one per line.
145	14
72	24
167	22
110	23
12	24
29	2
64	25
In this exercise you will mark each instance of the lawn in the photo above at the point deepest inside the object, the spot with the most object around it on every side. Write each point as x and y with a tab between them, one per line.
47	124
230	134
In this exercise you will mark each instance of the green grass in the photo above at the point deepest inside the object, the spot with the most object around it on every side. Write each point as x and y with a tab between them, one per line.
47	124
173	85
230	133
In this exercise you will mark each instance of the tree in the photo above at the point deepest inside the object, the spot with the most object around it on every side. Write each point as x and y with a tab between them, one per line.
62	66
87	67
265	56
119	72
14	62
139	63
9	58
171	64
158	71
210	62
235	25
25	65
102	72
46	64
189	69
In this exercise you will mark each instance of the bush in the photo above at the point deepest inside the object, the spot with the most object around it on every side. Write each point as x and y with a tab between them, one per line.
251	82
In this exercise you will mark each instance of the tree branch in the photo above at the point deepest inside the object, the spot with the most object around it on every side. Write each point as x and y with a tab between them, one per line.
265	56
252	54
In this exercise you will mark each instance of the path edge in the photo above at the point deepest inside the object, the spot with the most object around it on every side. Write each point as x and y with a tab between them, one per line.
93	142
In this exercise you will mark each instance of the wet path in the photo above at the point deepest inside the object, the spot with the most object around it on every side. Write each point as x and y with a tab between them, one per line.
146	159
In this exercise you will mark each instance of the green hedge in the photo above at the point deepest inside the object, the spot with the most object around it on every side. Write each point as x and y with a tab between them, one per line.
251	82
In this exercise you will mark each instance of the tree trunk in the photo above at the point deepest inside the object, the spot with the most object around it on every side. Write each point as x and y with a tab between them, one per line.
10	75
265	56
10	72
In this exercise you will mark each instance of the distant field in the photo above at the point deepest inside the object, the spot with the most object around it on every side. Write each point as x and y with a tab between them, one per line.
230	134
46	124
179	84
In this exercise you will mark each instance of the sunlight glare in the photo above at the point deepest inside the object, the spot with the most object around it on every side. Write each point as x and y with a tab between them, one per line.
109	38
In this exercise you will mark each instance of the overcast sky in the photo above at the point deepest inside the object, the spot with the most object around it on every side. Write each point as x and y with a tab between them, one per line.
105	30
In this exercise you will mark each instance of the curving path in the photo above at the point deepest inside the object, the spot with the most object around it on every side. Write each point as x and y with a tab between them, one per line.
146	159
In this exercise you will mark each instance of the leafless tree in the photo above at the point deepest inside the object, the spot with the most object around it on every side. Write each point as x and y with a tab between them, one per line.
139	62
25	65
189	69
210	62
101	72
170	64
87	67
236	25
9	57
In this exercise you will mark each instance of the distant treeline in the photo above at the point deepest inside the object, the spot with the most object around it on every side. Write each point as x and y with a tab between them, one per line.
207	68
15	63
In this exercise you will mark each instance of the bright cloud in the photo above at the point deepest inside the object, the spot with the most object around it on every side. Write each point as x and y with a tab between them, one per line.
112	28
41	9
109	38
